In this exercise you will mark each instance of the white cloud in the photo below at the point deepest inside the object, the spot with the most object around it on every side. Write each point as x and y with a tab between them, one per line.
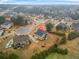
73	0
4	0
37	1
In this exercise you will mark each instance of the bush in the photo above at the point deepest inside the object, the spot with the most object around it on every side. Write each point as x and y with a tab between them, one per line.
73	35
13	56
53	49
8	56
57	33
63	40
59	50
65	51
62	51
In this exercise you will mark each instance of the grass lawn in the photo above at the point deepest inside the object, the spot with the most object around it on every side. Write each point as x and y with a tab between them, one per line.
59	56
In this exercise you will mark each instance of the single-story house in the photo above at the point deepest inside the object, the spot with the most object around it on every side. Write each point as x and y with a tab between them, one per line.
21	41
42	35
7	24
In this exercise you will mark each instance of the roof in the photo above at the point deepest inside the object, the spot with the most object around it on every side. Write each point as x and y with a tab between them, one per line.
7	24
41	33
23	30
20	39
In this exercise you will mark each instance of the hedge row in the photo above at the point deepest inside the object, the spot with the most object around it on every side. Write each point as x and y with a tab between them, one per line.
53	49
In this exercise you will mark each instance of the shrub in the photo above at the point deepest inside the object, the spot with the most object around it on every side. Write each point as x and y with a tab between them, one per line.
63	40
65	51
73	35
57	33
8	56
53	49
13	56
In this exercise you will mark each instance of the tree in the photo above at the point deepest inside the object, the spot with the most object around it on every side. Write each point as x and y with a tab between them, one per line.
49	27
2	19
63	28
19	20
58	27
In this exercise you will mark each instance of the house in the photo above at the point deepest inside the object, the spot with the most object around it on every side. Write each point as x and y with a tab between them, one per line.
7	24
1	31
21	41
42	35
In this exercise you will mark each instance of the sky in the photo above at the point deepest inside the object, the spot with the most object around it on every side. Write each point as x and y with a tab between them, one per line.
39	1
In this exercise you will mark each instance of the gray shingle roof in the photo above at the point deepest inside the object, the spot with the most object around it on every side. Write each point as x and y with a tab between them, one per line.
21	39
7	24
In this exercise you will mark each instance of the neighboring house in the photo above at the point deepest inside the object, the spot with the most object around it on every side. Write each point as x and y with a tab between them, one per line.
21	41
7	24
1	31
75	26
42	35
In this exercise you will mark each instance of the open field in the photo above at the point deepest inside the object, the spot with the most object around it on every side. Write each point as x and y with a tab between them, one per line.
73	48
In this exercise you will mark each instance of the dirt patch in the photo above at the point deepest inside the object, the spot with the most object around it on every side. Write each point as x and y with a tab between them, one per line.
26	53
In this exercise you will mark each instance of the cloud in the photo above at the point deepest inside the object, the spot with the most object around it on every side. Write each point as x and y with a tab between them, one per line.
5	1
38	1
73	0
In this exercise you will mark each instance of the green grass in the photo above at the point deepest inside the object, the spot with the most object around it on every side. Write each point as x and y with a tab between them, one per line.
59	56
54	56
